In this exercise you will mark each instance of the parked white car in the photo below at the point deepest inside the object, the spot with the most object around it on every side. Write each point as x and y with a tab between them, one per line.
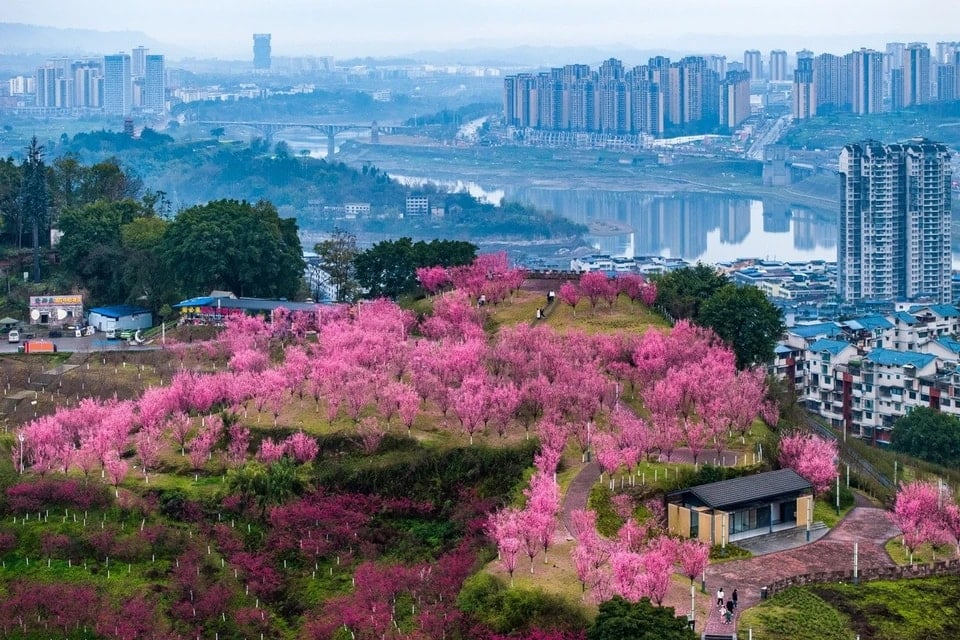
13	336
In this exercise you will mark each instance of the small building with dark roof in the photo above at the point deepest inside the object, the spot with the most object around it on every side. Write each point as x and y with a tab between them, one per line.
745	507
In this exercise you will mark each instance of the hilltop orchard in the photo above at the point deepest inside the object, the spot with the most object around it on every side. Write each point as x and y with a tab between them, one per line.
262	398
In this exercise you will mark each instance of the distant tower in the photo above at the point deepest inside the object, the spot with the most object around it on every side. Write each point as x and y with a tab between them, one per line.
154	90
261	51
804	92
778	65
138	62
117	87
753	62
916	74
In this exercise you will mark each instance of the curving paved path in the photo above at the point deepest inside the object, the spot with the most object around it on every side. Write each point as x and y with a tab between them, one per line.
869	526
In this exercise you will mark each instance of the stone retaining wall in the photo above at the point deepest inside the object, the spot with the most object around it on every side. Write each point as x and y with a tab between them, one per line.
942	568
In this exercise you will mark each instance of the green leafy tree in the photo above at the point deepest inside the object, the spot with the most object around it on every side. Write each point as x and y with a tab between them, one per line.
92	246
337	254
619	619
388	268
746	320
928	434
106	180
66	180
34	199
142	273
10	213
241	247
682	291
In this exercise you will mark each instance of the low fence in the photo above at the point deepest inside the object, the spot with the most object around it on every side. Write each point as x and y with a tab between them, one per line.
942	568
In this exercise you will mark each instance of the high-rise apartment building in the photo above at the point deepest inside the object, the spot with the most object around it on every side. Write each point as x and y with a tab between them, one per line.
865	81
117	85
916	74
734	106
261	51
778	66
946	52
138	62
946	82
804	94
154	85
830	83
753	62
896	89
646	99
894	221
87	84
718	64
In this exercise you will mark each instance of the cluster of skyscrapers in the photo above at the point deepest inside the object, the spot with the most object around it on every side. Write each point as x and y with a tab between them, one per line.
116	84
895	222
693	95
870	81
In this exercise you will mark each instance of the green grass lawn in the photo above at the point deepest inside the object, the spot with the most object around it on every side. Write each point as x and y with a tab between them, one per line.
924	554
623	316
923	609
794	614
827	513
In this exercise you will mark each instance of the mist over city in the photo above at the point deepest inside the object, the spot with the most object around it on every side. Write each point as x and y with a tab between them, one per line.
479	320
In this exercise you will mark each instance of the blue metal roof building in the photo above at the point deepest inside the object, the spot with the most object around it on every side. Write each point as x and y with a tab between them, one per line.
891	358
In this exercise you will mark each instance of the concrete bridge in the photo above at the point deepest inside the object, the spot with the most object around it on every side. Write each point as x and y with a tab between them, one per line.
270	129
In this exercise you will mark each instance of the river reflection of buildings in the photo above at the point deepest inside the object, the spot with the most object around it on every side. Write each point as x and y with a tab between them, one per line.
692	226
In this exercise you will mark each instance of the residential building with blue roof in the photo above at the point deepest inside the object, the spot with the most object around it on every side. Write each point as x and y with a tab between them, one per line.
865	373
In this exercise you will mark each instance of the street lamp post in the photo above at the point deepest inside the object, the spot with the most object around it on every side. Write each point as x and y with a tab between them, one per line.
21	437
838	492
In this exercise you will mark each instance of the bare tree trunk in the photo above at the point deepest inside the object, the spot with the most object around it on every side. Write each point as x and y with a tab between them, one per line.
36	250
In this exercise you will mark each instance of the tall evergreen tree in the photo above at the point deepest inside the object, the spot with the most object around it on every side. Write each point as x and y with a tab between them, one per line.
33	197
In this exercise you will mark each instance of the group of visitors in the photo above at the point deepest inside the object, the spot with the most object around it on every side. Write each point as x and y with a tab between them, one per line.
727	607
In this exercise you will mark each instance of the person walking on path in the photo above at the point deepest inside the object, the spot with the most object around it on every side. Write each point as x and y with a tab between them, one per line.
720	597
733	598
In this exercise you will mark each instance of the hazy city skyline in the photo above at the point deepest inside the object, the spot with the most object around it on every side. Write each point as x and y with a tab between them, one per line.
371	27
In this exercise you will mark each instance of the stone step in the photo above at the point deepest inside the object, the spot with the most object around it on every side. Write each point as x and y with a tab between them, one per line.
718	636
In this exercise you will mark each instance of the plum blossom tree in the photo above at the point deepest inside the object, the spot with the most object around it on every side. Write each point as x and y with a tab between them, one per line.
812	457
505	527
270	451
371	432
433	279
569	294
116	468
471	403
301	447
201	446
597	286
239	444
918	512
179	425
149	446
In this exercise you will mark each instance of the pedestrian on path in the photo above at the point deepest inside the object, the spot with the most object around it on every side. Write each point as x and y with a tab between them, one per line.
734	599
720	597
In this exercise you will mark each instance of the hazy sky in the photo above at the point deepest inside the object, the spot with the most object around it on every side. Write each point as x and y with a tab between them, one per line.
377	27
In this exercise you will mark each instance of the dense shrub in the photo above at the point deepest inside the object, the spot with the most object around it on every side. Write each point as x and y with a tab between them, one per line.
438	477
47	493
510	610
